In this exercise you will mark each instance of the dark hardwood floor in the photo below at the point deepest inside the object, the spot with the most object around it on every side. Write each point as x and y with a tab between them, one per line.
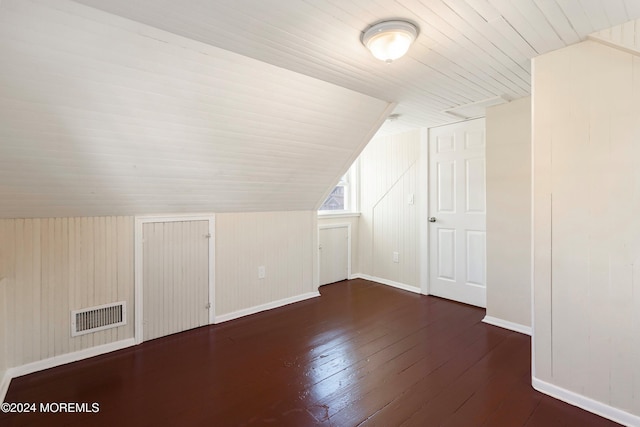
362	354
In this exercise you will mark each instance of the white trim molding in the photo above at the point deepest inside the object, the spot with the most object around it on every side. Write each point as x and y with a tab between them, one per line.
138	267
263	307
614	45
387	282
328	215
586	403
4	385
505	324
423	211
62	359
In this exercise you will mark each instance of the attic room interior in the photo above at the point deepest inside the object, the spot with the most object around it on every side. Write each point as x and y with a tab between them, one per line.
239	212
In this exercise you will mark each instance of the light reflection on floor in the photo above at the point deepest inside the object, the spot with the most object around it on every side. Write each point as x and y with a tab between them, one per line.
333	354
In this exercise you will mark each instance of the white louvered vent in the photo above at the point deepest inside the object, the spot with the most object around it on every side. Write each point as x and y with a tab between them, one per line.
98	318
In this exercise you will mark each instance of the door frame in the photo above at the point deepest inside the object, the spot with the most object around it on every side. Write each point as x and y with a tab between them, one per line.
138	267
424	208
424	272
338	225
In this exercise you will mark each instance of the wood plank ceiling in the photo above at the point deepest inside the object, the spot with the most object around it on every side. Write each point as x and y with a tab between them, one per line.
100	115
467	51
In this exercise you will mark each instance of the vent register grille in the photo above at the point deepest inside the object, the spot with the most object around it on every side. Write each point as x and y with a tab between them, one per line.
98	318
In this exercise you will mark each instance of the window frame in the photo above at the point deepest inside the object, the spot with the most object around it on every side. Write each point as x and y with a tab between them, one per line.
349	181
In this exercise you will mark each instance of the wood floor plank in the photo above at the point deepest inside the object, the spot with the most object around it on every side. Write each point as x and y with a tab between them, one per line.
487	397
517	407
451	364
374	399
361	354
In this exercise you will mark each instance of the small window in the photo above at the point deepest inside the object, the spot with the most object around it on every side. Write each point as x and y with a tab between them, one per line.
340	197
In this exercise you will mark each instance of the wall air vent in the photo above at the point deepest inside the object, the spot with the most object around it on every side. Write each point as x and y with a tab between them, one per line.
98	318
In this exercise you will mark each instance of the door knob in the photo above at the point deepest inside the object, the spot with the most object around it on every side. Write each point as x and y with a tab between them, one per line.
432	219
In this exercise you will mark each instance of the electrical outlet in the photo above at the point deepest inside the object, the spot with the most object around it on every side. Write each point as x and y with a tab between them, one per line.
261	272
396	257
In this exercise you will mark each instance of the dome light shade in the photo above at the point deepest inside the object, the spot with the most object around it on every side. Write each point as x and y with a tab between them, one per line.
389	40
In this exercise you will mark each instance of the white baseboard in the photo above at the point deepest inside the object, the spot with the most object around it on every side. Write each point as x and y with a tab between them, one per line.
387	282
586	403
63	359
516	327
263	307
4	385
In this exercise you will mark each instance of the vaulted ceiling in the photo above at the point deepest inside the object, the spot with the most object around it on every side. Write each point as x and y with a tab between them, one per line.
157	106
467	50
105	116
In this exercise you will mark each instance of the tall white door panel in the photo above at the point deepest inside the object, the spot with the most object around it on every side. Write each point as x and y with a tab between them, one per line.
457	212
334	254
175	262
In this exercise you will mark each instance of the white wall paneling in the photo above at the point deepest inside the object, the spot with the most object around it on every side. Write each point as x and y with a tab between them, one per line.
624	36
334	252
174	274
586	229
100	115
509	212
457	194
389	200
53	266
284	243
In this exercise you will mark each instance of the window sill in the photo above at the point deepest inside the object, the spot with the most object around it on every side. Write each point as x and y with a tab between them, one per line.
341	214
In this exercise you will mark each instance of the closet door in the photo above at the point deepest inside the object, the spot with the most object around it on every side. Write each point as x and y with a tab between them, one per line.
175	277
334	254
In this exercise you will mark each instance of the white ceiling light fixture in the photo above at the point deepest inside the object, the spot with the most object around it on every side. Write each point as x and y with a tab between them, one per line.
389	40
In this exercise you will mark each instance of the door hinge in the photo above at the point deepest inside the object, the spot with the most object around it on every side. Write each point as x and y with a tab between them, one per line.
208	306
208	236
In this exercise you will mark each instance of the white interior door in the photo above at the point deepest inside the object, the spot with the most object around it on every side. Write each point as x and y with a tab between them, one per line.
334	254
175	258
457	212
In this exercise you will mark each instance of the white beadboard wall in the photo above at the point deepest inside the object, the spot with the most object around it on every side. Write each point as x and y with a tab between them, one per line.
626	36
53	266
100	115
508	155
3	327
587	228
282	242
388	223
354	221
